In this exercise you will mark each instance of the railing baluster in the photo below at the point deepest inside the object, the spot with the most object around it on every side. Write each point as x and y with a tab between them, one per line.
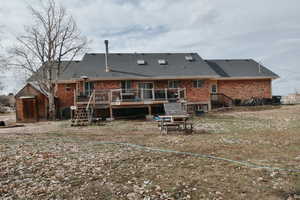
153	94
121	95
142	93
166	94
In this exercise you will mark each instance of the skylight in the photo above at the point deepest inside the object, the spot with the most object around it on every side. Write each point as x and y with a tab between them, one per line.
162	62
141	62
189	58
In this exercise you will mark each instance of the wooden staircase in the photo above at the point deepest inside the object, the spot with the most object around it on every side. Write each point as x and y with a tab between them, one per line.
83	115
221	101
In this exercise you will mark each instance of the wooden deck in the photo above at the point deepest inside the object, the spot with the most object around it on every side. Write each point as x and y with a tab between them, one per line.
132	97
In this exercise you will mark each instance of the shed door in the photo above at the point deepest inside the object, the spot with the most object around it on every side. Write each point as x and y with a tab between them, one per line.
29	109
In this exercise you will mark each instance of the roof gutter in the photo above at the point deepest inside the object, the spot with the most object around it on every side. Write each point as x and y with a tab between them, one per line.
247	78
170	78
141	78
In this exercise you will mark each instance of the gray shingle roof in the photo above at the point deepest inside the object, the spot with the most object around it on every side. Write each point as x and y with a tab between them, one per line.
65	66
125	66
238	68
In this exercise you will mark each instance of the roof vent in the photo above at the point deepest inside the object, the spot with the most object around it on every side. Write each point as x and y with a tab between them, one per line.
141	62
83	77
162	62
189	58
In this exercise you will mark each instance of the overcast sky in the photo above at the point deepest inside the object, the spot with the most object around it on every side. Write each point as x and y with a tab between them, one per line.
267	31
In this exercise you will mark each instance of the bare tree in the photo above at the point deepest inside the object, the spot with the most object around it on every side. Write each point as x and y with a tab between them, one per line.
51	39
2	61
2	58
1	86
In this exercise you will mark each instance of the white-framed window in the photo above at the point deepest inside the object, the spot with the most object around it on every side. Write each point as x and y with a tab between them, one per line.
198	83
89	87
173	84
126	85
214	89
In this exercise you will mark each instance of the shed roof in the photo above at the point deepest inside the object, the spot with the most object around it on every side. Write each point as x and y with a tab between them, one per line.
33	85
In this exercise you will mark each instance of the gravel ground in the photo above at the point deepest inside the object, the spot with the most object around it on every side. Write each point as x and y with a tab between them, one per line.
51	160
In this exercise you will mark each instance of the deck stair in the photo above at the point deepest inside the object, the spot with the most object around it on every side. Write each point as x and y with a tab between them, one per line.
83	115
221	101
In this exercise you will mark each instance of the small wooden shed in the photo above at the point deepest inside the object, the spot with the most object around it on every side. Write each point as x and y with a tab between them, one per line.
31	104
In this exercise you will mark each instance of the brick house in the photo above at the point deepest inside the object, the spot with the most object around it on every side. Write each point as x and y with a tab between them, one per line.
112	82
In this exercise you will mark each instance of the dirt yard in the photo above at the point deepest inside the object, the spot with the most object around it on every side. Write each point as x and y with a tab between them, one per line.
51	160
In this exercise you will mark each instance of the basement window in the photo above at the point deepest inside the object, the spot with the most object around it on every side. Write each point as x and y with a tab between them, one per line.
189	58
162	62
198	83
141	62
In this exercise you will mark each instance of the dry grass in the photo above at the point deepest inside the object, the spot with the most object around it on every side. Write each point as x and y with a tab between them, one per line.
51	160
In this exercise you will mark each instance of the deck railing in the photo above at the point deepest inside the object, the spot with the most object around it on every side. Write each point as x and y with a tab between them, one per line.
133	95
219	100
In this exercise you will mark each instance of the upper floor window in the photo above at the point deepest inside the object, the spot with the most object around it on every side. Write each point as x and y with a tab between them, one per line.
174	84
198	83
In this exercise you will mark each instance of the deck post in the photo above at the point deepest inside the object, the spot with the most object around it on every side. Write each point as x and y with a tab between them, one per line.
149	116
110	96
149	110
111	112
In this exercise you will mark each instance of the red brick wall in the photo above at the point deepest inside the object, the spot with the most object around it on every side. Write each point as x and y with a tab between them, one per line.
107	85
19	110
245	89
242	89
196	94
65	94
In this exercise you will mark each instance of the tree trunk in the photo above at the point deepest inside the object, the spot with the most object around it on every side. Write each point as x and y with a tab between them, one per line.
52	108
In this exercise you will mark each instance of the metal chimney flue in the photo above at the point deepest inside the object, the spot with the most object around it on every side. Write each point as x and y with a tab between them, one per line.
106	56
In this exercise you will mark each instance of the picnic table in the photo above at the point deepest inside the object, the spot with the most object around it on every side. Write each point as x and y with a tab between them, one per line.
177	122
